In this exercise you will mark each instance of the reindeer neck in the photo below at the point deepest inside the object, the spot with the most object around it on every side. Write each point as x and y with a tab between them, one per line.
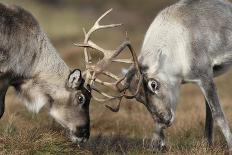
53	69
49	71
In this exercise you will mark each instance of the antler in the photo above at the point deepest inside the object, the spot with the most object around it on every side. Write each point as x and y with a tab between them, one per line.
92	70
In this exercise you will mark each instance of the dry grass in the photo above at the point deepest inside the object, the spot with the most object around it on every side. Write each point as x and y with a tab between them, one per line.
127	132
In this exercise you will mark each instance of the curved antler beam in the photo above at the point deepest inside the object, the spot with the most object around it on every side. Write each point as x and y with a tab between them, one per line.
92	71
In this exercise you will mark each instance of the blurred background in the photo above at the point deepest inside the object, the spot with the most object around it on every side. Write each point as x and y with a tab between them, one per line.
126	132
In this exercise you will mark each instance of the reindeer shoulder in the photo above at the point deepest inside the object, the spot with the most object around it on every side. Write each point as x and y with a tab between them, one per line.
15	19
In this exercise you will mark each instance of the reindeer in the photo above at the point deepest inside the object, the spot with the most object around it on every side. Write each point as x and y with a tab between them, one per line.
188	42
30	63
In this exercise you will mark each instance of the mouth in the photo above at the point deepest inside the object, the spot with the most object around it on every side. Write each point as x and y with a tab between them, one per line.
164	123
78	140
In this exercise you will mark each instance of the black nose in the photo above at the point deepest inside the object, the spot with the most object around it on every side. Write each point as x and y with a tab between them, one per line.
165	118
82	131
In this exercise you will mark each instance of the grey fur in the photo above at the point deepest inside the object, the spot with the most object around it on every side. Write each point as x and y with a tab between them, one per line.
30	63
188	42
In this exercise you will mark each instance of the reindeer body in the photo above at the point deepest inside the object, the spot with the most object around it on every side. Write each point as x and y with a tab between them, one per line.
29	58
30	64
191	34
190	41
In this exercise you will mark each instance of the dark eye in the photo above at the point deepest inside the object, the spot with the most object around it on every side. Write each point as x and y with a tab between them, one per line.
81	98
153	85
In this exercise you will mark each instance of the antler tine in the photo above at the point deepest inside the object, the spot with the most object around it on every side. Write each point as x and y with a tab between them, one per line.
109	99
93	70
89	44
84	31
92	45
105	95
107	106
113	55
117	107
103	15
98	26
111	75
136	64
114	85
107	84
127	61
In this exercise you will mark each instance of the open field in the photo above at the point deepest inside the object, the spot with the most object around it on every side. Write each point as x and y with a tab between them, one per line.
126	132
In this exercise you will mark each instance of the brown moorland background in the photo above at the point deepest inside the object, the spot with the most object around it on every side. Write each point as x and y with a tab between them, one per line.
126	132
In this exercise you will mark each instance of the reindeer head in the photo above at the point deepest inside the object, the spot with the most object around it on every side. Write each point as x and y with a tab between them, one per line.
73	113
156	94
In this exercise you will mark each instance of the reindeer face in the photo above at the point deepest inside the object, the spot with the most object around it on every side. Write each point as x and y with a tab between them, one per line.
159	100
156	94
74	113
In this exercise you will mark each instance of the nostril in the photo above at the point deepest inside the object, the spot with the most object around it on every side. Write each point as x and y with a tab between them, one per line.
86	134
165	118
168	122
82	131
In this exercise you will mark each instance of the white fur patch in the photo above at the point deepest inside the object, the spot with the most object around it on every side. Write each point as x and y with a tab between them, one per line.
35	105
56	115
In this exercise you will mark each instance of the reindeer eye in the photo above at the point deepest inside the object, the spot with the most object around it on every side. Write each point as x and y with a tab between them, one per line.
153	85
81	99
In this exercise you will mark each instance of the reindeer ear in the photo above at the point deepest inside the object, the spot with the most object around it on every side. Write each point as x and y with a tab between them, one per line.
75	79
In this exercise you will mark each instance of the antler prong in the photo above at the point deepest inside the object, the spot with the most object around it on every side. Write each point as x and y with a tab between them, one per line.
106	95
127	61
117	107
107	84
84	31
92	45
104	51
103	15
109	26
111	75
92	71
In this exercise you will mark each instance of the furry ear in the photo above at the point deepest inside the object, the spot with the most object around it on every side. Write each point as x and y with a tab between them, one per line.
75	79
